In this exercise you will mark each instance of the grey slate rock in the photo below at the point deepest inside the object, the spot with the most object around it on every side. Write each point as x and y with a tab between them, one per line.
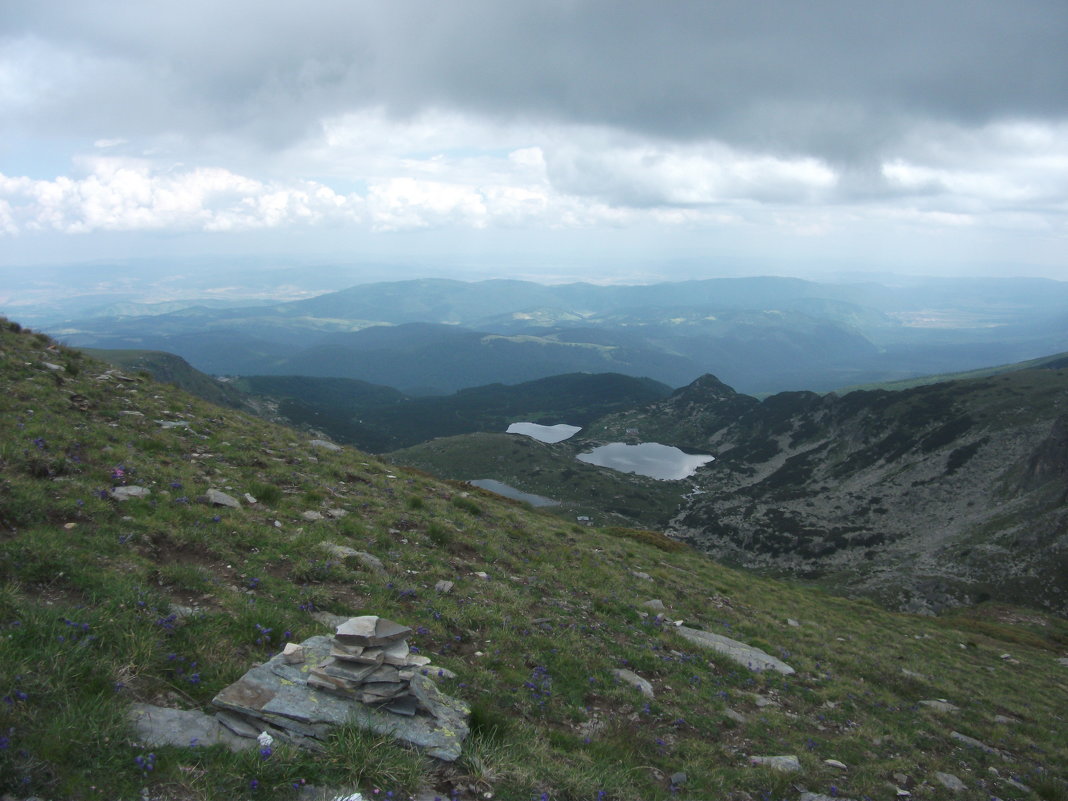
218	498
126	493
278	694
737	717
370	631
634	680
158	726
238	725
971	742
950	781
325	445
938	705
655	604
784	764
743	654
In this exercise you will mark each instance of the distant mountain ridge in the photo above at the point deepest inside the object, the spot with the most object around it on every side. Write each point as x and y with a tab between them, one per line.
379	419
762	335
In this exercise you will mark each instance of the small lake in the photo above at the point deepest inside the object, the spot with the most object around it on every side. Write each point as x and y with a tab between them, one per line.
511	492
650	459
557	433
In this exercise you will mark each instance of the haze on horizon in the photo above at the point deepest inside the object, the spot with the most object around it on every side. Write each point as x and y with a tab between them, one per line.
626	141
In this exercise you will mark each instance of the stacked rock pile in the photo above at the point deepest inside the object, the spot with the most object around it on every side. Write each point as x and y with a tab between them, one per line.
365	675
370	661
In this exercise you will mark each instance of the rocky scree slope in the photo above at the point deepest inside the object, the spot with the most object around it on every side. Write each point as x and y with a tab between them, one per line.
127	577
925	498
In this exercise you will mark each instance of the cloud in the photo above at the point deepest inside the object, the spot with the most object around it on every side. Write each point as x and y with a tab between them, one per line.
130	195
755	119
655	174
828	79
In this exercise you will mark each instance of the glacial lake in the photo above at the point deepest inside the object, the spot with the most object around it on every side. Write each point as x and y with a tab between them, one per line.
557	433
501	488
650	459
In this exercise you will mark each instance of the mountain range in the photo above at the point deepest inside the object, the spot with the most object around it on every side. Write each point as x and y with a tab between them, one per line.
760	335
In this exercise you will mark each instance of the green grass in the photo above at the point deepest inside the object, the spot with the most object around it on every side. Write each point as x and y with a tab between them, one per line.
94	600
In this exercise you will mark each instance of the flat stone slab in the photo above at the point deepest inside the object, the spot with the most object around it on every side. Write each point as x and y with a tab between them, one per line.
324	444
219	498
950	781
634	680
370	631
743	654
159	725
784	764
971	742
938	705
126	493
278	694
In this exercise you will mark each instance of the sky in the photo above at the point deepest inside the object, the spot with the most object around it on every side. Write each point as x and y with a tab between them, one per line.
612	139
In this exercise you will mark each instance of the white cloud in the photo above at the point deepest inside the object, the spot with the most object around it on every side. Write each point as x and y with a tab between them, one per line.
649	173
129	194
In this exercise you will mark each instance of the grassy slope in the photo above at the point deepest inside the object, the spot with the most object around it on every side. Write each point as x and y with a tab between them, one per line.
87	626
173	370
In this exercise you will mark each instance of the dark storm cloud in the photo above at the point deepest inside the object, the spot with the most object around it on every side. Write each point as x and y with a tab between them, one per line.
839	80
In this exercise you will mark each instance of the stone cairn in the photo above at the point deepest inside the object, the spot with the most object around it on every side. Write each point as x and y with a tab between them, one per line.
370	662
365	675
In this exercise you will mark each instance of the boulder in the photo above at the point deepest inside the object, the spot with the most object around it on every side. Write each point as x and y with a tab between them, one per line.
156	726
634	680
949	781
127	493
940	705
743	654
218	498
784	764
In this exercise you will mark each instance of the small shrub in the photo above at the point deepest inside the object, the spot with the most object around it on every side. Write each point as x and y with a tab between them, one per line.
438	534
415	502
267	494
466	504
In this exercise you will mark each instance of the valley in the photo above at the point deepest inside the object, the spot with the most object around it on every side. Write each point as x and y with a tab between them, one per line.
154	547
